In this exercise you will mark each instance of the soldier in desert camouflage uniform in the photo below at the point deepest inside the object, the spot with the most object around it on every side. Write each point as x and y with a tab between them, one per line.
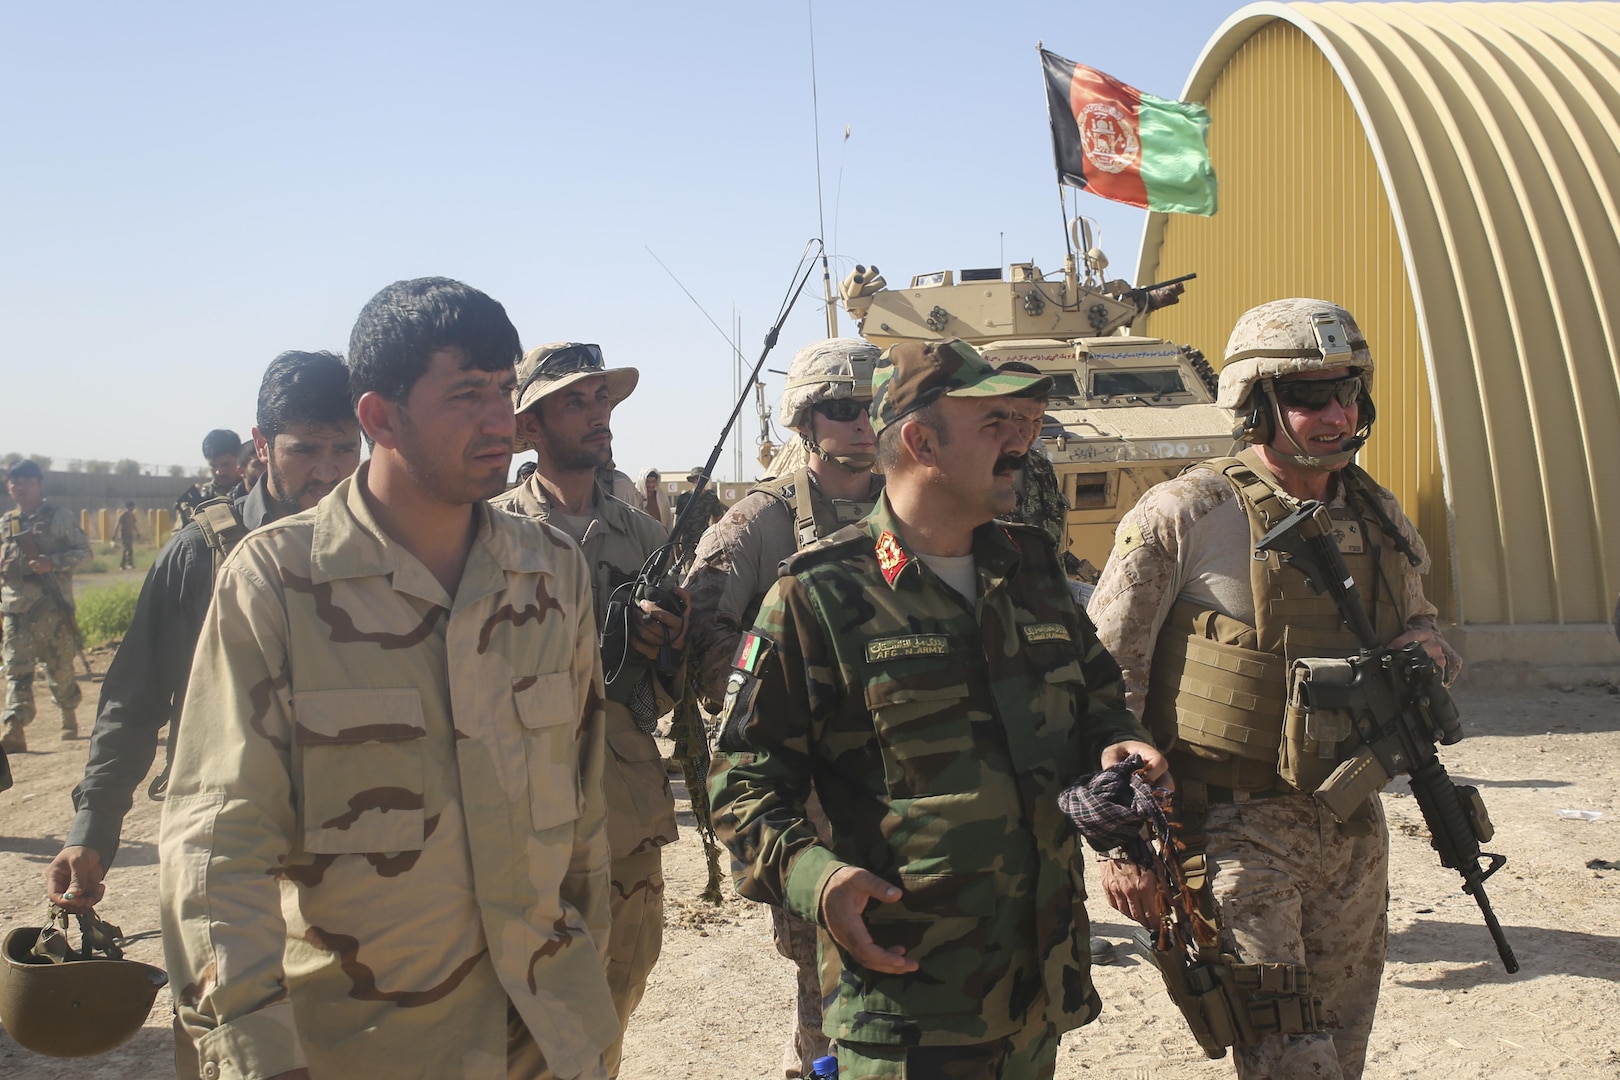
1197	622
828	391
394	736
34	590
928	671
564	402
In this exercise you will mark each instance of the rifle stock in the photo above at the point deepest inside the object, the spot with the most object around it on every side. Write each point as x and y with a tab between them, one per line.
1401	709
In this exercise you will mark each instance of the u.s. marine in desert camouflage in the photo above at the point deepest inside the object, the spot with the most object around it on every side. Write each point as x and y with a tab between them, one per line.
1205	632
416	781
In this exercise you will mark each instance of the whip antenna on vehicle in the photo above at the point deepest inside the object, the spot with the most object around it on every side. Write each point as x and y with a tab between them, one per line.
821	214
728	338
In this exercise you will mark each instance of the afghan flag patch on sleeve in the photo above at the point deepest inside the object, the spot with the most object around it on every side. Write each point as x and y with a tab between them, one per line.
751	653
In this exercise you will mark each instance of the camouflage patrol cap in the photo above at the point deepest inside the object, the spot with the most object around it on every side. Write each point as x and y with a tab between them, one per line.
826	370
913	375
549	368
1285	336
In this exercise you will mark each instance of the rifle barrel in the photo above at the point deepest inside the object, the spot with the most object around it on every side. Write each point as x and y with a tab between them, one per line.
1477	890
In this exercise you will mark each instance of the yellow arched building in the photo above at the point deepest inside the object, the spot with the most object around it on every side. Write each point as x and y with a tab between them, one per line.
1450	172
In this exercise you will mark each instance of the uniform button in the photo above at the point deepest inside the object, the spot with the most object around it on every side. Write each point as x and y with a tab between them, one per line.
211	1071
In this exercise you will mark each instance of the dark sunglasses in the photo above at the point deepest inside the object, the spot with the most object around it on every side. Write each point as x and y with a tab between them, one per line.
574	358
1314	394
842	410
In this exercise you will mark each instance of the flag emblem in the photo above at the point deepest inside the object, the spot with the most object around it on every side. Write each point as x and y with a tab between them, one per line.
751	653
1108	137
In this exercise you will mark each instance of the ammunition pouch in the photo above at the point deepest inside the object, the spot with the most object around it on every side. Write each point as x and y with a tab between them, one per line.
222	528
1231	1004
1219	706
1314	737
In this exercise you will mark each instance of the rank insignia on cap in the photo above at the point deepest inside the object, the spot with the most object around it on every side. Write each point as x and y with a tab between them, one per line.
751	653
891	556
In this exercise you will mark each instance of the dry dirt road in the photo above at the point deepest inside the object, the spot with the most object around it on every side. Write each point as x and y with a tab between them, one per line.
719	1001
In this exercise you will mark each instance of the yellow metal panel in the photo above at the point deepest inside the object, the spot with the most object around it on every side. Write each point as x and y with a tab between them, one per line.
1448	173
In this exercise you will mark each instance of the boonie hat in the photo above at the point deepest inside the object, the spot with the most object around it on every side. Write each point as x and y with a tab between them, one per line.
913	375
549	368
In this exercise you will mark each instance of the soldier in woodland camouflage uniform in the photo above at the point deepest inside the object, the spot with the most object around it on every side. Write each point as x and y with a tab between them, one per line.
565	401
928	671
829	389
1196	622
1040	495
33	593
383	849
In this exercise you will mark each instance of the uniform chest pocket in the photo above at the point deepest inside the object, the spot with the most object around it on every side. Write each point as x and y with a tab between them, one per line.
925	733
361	788
547	709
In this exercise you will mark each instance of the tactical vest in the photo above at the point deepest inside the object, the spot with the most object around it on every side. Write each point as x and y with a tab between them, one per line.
1221	688
814	514
222	527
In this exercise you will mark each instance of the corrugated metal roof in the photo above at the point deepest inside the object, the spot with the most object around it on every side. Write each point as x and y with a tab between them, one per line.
1495	129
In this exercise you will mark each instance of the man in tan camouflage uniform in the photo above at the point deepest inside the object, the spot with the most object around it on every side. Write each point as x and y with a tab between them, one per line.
40	544
829	387
383	848
927	670
1198	623
564	401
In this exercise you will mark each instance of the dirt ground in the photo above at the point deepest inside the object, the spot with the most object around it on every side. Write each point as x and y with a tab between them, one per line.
720	999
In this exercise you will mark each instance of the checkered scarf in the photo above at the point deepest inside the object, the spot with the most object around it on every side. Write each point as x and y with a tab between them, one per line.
1114	808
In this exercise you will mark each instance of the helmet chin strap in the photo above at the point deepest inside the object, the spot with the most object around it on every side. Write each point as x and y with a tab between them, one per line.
854	463
1324	462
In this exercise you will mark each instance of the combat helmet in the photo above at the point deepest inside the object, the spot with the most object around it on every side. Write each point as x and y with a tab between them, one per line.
1286	336
827	370
66	1003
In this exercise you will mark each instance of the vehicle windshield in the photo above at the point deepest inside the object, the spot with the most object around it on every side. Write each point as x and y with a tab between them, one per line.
1137	383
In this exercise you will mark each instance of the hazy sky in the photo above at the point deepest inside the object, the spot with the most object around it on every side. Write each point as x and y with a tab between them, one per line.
188	190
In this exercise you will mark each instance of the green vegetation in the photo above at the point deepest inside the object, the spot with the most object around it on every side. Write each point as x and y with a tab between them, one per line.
104	558
105	613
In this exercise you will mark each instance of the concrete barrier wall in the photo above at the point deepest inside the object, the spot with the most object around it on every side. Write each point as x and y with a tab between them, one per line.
103	491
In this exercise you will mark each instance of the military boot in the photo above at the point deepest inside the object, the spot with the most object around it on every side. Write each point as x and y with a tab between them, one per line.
70	725
14	741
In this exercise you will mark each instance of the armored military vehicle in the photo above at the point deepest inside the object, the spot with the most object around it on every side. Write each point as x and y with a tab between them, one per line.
1125	412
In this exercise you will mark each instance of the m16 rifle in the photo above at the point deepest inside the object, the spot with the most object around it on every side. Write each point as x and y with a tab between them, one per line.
27	550
1400	709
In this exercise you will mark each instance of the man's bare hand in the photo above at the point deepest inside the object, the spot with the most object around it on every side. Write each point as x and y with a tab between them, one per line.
652	626
73	879
1431	644
1132	891
843	901
41	564
1155	763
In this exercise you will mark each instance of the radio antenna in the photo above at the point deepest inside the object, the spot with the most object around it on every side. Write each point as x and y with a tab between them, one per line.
821	214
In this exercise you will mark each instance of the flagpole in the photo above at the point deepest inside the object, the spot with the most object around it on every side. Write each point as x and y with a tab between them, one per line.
1063	204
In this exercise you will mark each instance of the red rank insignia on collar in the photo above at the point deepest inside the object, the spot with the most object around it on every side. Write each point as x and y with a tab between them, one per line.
891	557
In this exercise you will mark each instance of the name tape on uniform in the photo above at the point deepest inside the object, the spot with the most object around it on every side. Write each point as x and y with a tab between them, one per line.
909	645
1035	633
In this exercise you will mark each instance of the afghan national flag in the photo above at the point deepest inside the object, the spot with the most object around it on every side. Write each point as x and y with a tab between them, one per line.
1122	144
